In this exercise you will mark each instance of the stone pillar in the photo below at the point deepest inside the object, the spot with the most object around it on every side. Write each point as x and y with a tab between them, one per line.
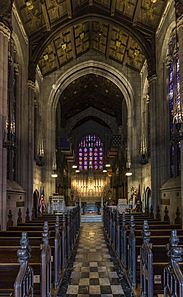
4	39
179	22
30	160
155	153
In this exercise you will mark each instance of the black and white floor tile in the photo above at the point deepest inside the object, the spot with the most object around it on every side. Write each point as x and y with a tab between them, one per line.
93	273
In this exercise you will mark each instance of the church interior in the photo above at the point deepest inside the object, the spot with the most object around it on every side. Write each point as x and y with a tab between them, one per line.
91	114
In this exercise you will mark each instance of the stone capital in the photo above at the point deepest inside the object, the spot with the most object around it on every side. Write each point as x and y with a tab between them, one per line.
4	30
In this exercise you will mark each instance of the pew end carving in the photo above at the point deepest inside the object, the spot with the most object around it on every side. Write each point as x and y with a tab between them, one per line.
19	220
10	221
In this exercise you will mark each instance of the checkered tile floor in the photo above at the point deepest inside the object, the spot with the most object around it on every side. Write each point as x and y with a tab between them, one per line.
93	272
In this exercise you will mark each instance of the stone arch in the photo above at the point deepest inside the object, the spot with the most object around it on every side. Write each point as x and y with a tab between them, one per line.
89	112
18	48
165	43
81	69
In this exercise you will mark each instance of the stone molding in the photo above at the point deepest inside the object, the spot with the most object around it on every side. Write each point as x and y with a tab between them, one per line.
17	17
5	30
164	16
31	85
180	23
152	78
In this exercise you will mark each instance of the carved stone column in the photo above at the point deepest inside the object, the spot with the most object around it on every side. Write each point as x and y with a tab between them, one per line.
4	39
155	153
31	98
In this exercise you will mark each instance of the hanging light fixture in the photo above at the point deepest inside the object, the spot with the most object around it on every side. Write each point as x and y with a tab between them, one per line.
54	174
74	166
54	168
128	173
107	165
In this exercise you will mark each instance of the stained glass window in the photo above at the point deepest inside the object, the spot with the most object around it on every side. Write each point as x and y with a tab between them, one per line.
11	114
90	153
174	105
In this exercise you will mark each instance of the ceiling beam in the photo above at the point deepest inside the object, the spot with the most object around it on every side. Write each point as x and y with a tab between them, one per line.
108	41
141	33
69	8
45	15
73	43
136	12
126	49
55	54
113	7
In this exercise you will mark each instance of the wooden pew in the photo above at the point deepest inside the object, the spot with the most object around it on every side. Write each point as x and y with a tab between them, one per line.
165	276
37	244
65	240
16	279
118	235
40	263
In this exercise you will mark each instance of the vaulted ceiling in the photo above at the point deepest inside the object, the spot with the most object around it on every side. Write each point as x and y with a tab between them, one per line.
85	92
61	30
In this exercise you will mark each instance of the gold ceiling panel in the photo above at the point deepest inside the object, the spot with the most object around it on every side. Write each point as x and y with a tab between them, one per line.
126	7
119	40
63	46
81	35
56	9
150	12
32	18
48	61
76	40
133	55
99	36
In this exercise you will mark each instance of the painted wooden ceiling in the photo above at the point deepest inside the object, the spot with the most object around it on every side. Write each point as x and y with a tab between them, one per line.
86	92
61	30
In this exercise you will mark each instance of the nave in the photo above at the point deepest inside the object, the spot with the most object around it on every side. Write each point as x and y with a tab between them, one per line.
94	273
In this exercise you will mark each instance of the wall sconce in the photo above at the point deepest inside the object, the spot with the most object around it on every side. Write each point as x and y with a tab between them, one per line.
54	167
40	160
54	174
107	165
128	171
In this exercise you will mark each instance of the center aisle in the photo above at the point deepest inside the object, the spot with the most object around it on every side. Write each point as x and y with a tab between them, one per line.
93	272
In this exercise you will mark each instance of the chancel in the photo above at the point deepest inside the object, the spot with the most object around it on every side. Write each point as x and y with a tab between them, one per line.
91	148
